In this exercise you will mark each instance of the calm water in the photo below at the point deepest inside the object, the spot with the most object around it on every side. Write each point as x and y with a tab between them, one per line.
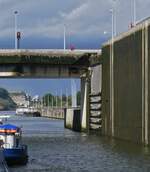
55	149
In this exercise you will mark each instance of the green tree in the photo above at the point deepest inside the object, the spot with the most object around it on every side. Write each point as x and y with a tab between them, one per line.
78	98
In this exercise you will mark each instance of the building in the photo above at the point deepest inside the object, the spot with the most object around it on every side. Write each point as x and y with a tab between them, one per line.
20	98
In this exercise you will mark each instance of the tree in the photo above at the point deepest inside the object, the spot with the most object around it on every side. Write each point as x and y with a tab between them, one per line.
78	98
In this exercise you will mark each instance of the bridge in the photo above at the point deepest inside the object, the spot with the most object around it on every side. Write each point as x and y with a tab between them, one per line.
49	63
46	63
115	83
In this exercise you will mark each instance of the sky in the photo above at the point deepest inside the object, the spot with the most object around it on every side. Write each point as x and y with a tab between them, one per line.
41	24
41	86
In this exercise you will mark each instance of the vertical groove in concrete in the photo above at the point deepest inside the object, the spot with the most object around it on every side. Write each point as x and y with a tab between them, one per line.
112	87
146	83
88	80
143	84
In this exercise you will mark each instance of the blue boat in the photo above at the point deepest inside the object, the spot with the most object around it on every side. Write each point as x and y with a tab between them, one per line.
14	152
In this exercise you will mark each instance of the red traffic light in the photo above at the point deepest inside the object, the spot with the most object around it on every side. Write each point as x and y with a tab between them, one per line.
18	35
16	12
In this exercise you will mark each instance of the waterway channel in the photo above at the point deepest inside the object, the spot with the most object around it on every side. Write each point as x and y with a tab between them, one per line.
55	149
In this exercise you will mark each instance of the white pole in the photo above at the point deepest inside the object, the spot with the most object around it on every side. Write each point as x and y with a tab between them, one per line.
114	18
61	100
52	102
112	73
64	37
52	105
16	13
56	99
42	103
48	105
134	12
112	34
61	105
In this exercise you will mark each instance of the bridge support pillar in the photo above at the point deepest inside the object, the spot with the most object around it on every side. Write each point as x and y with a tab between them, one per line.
85	89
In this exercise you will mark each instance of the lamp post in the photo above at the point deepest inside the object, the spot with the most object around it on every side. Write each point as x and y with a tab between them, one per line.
112	72
112	24
52	102
64	37
61	100
56	100
16	14
61	106
114	19
134	12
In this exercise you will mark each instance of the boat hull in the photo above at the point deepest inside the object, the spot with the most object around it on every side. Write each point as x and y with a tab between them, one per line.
16	156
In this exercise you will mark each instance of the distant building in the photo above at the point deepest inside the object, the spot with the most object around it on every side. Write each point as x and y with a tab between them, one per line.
20	98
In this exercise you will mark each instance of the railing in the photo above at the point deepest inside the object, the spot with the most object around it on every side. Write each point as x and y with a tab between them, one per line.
95	119
54	113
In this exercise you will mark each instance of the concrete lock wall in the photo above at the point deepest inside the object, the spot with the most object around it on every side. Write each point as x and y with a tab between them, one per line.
72	119
96	79
126	86
78	118
86	87
106	121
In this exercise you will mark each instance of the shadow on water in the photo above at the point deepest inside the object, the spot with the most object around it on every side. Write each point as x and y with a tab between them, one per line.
128	147
76	120
121	146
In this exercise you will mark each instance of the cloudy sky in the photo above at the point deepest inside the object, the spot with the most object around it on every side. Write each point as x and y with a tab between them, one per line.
41	23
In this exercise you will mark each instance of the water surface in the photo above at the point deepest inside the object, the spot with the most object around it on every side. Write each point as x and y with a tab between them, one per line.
55	149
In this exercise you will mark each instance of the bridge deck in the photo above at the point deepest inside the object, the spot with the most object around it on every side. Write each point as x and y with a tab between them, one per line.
48	56
46	62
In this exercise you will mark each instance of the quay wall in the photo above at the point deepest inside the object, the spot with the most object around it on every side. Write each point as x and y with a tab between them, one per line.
73	119
126	86
54	113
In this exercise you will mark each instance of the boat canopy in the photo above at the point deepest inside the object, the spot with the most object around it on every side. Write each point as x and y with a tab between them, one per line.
8	128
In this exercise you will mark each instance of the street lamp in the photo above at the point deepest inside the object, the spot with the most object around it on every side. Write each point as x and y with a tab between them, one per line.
64	37
56	100
112	23
113	16
134	12
16	14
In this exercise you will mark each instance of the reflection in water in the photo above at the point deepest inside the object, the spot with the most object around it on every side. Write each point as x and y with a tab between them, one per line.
55	149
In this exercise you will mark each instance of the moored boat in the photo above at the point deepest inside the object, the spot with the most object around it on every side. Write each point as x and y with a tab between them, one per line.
31	112
14	152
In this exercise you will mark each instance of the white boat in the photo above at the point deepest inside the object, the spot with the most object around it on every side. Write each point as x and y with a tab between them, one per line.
22	110
30	111
14	151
